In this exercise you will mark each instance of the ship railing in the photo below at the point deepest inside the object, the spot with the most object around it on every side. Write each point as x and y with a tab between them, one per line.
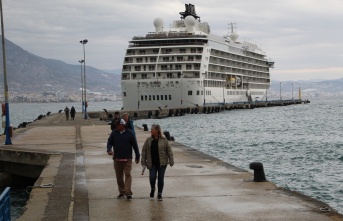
170	35
141	53
193	60
5	205
181	52
156	44
235	58
169	69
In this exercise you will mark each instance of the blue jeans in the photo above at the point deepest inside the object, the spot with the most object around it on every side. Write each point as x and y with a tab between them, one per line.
153	173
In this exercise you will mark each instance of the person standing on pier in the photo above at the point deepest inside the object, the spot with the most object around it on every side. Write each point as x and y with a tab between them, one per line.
156	155
72	112
116	116
129	122
66	111
123	141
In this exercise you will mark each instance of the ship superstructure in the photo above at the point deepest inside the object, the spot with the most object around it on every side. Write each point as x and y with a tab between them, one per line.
185	65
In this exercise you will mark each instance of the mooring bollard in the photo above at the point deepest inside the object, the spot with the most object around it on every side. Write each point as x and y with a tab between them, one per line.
145	126
259	175
166	134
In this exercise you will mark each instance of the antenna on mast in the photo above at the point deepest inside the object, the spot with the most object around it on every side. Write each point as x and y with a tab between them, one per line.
233	36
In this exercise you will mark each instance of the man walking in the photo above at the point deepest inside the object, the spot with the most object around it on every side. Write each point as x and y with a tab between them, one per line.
123	141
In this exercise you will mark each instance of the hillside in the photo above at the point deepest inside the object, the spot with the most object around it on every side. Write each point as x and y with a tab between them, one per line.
28	73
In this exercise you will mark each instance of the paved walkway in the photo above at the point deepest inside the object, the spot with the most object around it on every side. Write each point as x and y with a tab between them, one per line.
198	187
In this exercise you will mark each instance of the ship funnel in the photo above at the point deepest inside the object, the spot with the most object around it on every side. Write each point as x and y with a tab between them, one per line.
190	23
158	23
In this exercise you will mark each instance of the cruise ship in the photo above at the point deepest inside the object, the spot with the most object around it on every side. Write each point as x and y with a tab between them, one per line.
185	65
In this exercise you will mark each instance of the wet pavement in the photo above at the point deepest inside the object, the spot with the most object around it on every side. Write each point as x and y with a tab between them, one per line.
197	187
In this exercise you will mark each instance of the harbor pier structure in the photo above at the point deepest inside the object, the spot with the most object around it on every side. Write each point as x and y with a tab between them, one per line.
78	182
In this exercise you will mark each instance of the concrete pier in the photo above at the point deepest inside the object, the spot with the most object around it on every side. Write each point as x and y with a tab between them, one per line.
197	187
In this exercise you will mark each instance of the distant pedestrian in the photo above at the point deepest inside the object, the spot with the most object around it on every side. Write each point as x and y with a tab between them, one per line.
116	116
123	141
72	112
156	155
66	111
129	122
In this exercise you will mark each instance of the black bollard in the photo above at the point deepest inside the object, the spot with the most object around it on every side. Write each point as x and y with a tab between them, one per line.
258	172
145	126
166	134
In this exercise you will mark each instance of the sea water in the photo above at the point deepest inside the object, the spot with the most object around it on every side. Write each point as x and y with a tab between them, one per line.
300	146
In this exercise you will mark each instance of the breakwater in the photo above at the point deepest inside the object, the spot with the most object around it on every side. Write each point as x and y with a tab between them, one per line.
167	112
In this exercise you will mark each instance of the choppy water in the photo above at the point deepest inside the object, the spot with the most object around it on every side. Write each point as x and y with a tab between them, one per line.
300	146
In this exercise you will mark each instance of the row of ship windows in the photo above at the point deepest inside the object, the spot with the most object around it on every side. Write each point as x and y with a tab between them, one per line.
165	51
209	92
167	59
155	97
169	97
164	67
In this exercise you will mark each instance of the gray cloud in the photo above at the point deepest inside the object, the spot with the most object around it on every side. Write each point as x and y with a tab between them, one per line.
303	37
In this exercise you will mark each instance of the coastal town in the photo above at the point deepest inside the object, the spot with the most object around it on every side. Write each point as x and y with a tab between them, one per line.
59	96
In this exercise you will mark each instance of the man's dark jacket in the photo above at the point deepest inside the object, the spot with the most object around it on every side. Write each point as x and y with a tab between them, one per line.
122	144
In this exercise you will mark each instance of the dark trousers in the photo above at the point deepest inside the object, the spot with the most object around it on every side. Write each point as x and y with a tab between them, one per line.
153	174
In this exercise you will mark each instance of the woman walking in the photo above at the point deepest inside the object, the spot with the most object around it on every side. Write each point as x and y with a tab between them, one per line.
156	155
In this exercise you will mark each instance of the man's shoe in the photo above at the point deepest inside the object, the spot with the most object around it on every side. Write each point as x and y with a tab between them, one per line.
152	192
159	197
121	196
129	197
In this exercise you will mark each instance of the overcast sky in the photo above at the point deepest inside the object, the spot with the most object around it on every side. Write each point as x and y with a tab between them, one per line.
303	37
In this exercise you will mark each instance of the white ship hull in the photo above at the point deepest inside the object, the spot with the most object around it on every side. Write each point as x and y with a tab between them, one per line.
161	94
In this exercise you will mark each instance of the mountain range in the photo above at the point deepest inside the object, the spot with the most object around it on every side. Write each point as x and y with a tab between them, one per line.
310	88
28	73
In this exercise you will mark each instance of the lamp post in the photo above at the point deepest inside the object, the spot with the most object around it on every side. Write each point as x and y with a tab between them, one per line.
280	92
83	42
82	104
7	109
292	92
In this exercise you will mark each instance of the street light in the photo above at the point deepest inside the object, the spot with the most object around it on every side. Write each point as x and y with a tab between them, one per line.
7	109
280	92
292	92
83	42
82	105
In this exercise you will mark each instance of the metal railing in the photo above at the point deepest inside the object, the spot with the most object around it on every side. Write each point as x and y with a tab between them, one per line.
5	205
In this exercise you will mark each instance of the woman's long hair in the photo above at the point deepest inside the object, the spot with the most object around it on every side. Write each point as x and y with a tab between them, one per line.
159	130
